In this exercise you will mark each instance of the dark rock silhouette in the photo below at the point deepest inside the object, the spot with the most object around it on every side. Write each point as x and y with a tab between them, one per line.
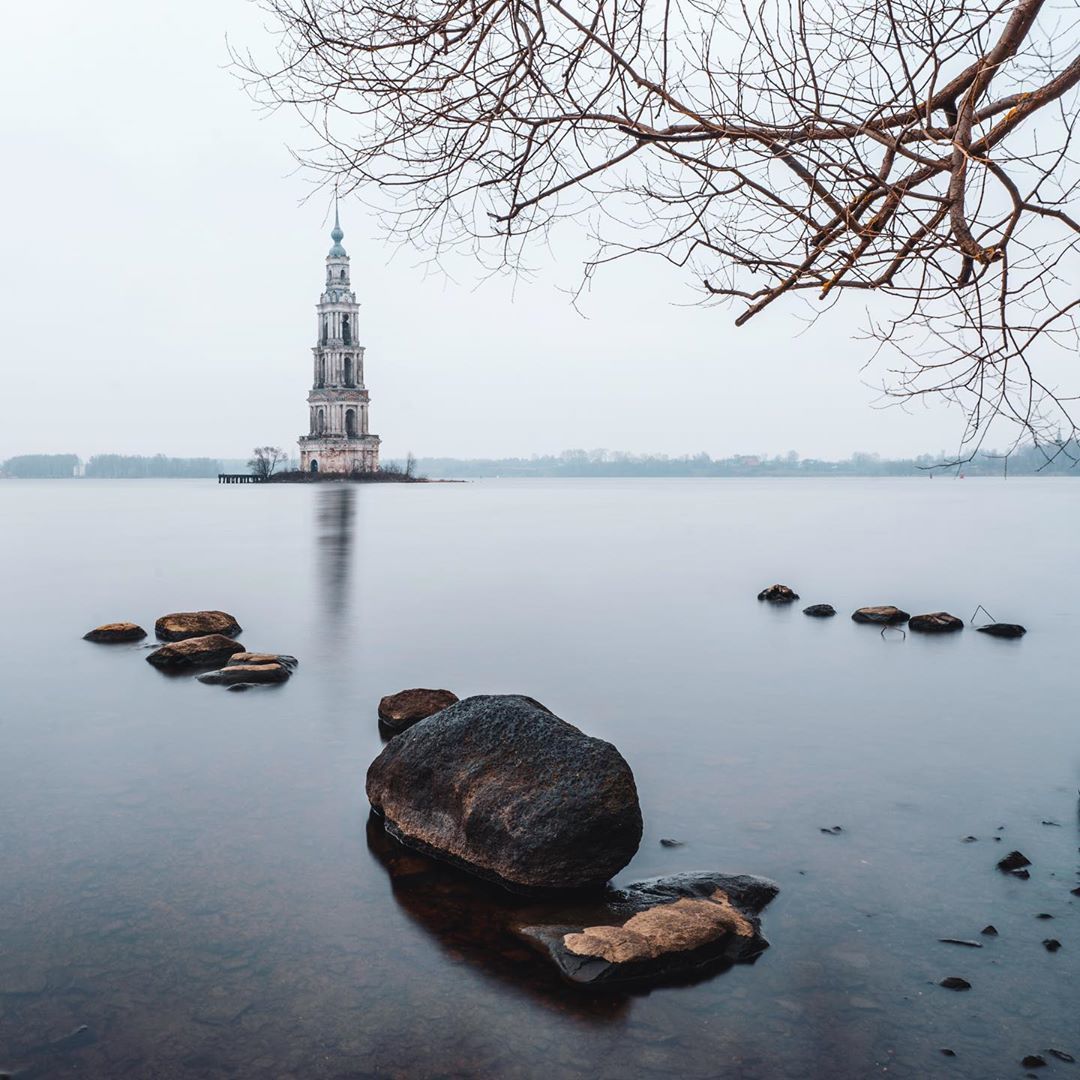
778	594
937	622
117	631
881	615
820	611
1003	629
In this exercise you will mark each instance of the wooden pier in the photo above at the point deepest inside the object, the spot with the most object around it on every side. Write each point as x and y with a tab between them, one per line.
238	478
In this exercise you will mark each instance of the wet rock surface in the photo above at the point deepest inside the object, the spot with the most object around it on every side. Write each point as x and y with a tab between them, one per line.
653	931
820	611
283	659
1015	860
937	622
407	707
881	615
1003	630
499	785
117	631
246	673
778	594
954	982
181	625
208	651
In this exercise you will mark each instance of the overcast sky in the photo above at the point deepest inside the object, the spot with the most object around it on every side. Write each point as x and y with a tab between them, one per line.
160	266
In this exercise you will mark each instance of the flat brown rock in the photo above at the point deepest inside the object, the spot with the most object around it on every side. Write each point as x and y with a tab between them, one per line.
207	651
181	625
246	673
289	662
653	930
883	615
116	631
402	710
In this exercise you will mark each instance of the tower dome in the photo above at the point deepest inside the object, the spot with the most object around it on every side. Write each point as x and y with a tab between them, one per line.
337	234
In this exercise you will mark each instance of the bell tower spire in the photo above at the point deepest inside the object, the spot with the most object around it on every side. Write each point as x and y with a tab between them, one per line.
338	441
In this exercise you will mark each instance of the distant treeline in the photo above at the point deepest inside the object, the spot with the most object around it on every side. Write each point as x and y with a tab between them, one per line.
1058	459
108	467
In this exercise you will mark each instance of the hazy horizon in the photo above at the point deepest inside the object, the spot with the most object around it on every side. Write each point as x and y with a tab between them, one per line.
162	267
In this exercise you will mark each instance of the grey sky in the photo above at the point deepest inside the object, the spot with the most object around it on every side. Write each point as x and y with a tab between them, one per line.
159	271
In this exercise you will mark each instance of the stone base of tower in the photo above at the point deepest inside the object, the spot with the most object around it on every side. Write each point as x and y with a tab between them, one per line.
339	455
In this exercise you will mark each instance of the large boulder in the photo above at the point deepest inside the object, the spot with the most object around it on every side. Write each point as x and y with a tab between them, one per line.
937	622
116	631
820	611
407	707
208	651
778	594
654	930
502	787
882	615
188	624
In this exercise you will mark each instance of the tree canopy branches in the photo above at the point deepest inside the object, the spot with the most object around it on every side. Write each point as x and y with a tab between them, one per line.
920	150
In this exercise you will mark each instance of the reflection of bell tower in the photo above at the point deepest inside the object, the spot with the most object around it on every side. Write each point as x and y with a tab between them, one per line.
338	441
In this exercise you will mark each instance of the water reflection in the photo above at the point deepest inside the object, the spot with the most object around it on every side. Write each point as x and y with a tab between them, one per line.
335	510
470	918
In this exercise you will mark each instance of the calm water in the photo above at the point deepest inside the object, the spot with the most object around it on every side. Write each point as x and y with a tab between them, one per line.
187	888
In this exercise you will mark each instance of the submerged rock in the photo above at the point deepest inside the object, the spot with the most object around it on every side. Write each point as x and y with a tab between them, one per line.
1051	944
407	707
116	631
189	624
654	930
937	622
820	611
246	673
1015	860
954	982
499	785
1033	1061
778	594
284	660
1003	629
882	615
207	651
989	931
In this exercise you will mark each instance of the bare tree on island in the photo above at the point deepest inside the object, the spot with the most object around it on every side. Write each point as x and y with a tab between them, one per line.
917	149
265	460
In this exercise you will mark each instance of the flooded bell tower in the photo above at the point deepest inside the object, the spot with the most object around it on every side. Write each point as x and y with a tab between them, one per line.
338	441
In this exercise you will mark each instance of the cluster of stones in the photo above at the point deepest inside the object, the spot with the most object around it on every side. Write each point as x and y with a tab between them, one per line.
934	622
502	788
203	639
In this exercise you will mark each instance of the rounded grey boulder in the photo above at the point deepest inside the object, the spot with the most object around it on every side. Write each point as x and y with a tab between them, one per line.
502	787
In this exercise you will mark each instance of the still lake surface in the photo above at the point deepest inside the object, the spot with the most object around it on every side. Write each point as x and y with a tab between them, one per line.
187	887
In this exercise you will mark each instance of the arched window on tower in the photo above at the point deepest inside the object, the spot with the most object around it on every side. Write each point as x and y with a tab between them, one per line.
350	421
320	423
343	274
349	381
325	329
320	376
346	330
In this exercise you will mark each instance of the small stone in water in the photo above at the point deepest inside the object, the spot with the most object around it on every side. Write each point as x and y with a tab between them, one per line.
961	941
989	931
969	839
1044	915
947	1052
1013	861
834	831
1033	1061
1057	823
1076	891
1023	875
1060	1055
666	841
954	982
1051	944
